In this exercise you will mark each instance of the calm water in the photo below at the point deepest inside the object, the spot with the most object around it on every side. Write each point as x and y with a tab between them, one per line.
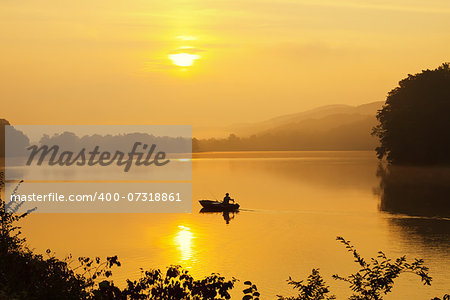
294	204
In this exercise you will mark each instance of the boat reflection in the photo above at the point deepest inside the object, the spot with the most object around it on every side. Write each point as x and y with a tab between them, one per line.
227	215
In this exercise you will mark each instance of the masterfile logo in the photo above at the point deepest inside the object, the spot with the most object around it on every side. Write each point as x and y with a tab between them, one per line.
98	168
53	156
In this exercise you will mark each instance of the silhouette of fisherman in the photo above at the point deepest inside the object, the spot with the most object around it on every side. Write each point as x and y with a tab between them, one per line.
227	199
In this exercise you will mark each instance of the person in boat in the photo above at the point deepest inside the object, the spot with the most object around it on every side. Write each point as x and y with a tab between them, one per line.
227	199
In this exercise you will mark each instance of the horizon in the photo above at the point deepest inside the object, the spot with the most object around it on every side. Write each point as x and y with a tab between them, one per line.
216	131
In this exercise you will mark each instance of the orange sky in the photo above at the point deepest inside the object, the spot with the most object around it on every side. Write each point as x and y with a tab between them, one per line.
107	61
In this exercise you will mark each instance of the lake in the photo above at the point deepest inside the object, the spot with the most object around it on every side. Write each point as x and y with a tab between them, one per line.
293	205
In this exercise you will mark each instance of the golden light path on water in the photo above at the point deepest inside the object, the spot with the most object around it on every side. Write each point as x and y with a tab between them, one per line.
184	241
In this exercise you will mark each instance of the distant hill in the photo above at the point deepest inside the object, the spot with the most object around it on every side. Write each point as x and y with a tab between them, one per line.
332	127
369	109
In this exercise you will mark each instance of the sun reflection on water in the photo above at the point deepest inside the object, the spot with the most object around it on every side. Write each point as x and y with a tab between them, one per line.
184	241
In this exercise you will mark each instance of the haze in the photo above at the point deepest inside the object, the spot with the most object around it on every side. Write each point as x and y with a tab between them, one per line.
109	62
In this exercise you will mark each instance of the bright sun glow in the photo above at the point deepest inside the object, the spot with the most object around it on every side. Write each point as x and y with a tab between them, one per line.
183	59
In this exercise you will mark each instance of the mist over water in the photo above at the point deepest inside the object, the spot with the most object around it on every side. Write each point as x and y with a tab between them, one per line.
293	205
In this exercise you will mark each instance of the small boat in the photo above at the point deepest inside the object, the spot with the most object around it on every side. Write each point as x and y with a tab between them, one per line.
212	205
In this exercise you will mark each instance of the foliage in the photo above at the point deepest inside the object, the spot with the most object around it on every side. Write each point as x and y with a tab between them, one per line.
251	292
10	238
414	127
446	297
376	278
25	275
177	284
314	289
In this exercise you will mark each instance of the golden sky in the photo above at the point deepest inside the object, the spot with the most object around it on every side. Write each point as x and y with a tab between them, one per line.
208	62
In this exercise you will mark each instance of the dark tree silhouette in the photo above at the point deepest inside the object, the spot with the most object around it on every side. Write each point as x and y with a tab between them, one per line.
414	123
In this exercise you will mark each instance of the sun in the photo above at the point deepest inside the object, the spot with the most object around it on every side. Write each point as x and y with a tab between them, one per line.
183	59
